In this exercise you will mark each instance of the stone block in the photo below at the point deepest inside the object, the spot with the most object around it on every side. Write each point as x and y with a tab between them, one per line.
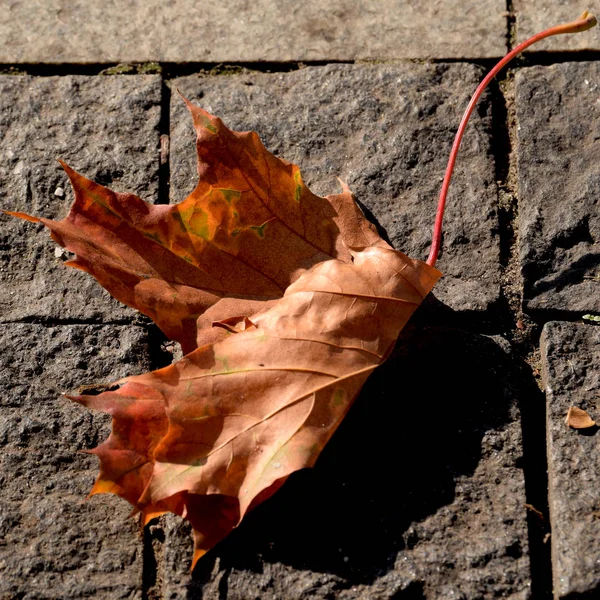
558	141
384	129
571	353
533	17
214	31
53	543
107	128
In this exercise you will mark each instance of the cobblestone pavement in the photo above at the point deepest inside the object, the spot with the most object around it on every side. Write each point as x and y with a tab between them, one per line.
466	484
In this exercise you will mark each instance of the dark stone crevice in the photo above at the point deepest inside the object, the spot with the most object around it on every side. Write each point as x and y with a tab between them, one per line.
175	70
169	70
154	538
161	349
535	469
511	26
523	333
164	167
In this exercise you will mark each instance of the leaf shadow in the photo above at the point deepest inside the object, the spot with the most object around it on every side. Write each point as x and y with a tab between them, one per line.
416	427
368	213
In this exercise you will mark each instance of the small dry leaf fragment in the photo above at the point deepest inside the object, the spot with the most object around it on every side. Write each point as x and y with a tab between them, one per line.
534	510
578	418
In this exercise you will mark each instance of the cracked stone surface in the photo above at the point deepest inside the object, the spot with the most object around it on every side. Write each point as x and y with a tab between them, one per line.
241	31
54	544
532	17
454	528
558	141
385	130
104	127
571	354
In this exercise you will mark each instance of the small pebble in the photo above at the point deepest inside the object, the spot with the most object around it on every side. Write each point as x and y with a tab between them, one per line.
59	192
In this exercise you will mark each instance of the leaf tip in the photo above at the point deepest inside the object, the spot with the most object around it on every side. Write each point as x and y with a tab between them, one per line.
148	514
344	186
189	104
21	215
178	91
66	168
78	399
78	181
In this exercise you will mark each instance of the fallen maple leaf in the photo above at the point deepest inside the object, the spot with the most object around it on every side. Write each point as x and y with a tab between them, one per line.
285	301
288	301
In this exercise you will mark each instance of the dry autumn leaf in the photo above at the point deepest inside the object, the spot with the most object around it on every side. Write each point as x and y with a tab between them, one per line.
577	418
307	300
284	301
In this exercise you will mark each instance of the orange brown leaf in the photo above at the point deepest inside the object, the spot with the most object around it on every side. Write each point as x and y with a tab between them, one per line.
287	302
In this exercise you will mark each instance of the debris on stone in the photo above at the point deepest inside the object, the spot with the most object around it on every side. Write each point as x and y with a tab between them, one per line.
593	318
578	418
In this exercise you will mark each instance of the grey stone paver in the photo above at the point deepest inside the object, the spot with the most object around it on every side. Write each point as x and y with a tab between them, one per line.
84	31
532	17
385	130
571	355
53	544
558	141
104	127
455	527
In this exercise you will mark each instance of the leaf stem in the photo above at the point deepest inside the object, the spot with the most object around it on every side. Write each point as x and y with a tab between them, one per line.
585	22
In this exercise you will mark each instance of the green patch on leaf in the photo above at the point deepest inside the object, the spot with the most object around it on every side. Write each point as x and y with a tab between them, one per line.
207	124
229	194
338	397
299	186
259	229
153	236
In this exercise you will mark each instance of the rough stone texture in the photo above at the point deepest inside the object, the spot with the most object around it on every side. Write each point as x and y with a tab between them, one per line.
456	529
238	30
571	355
533	17
558	142
385	130
104	127
52	543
